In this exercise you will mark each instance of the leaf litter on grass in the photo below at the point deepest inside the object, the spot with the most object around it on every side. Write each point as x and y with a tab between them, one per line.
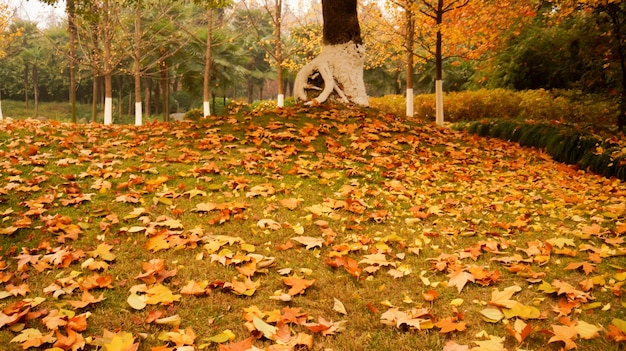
490	245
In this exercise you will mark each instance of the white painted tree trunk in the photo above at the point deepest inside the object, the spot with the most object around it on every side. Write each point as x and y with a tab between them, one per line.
410	110
108	111
207	108
439	102
1	117
281	100
138	115
341	68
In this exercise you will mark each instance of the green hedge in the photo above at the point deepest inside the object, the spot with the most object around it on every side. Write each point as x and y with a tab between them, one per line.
567	144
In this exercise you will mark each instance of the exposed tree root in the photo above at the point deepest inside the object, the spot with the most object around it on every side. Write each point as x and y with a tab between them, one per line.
341	70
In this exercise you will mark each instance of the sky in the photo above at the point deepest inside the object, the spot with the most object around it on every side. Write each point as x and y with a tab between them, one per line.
36	11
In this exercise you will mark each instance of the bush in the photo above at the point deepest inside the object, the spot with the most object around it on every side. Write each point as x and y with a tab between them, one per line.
538	105
565	143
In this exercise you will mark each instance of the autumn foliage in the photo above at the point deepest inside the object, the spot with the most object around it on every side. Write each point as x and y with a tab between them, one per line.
302	228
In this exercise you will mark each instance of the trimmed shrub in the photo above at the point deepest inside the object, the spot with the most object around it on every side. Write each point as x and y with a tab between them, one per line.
564	143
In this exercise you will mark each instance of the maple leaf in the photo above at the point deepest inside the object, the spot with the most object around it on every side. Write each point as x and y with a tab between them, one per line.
297	285
155	271
450	324
243	345
103	251
502	298
246	287
182	337
86	300
73	341
565	334
493	344
308	241
378	259
290	203
453	346
520	330
120	341
195	288
160	294
55	319
459	279
585	266
325	327
33	338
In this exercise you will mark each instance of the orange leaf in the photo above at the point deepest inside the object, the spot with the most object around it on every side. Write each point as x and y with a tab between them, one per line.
297	285
237	346
450	324
85	300
565	334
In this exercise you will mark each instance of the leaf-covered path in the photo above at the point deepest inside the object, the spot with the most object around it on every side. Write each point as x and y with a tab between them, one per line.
302	229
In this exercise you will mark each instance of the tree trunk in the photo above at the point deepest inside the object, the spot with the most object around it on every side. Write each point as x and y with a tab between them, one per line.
94	100
147	94
207	64
108	89
439	66
136	66
410	38
26	69
279	54
71	28
35	90
164	87
340	63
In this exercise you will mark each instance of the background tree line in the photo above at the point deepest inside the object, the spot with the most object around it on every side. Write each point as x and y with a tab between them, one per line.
469	44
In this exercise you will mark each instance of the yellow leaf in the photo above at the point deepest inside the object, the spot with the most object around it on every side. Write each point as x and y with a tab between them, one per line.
225	336
587	331
339	307
137	302
121	341
522	311
104	252
161	294
492	315
268	331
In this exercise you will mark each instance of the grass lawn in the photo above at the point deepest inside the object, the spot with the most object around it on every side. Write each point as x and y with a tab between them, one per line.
317	228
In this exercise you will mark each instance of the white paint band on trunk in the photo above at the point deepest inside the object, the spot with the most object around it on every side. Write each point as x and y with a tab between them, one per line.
439	102
138	115
410	110
108	111
207	108
281	100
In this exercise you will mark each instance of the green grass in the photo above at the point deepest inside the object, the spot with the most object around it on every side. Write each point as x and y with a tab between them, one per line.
429	199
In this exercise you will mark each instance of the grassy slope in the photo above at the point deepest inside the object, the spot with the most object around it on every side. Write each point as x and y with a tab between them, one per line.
432	201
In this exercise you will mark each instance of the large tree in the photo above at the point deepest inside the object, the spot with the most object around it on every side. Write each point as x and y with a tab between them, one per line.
340	63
